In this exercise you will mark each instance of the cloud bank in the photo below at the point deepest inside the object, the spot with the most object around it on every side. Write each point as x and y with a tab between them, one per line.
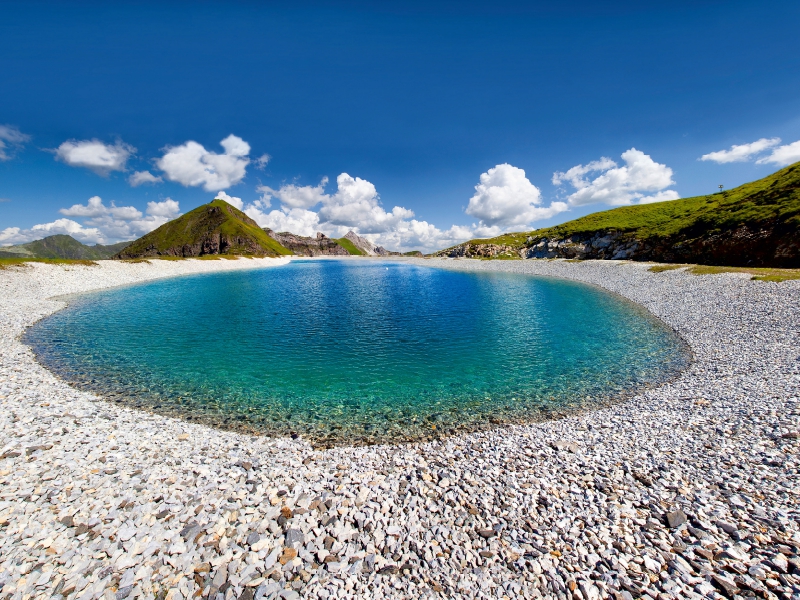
102	224
640	180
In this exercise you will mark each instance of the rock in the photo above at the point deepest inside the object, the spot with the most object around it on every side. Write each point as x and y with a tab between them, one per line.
486	533
780	562
294	538
725	585
389	570
676	518
728	528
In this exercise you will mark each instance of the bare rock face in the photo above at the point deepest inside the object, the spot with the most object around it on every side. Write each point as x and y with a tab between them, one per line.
321	245
365	245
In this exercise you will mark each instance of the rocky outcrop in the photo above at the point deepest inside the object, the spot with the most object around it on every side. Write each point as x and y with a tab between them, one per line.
321	245
365	245
762	246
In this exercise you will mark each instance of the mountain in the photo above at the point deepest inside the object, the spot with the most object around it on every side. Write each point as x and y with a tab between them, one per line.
756	224
61	246
321	245
357	245
214	228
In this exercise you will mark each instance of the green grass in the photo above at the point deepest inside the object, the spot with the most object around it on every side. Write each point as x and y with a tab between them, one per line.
23	261
758	273
349	246
774	199
216	217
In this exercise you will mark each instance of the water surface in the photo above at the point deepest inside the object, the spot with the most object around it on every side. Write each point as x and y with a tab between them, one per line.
358	351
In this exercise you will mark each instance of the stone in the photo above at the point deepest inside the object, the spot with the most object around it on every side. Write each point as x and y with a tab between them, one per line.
676	518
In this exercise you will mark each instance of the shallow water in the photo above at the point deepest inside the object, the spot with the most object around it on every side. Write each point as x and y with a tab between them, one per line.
358	351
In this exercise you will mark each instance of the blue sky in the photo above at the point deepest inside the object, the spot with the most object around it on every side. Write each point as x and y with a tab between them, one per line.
419	125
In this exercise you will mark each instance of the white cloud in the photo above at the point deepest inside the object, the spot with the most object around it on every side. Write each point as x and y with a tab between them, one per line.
262	161
741	152
505	198
15	235
619	185
95	155
783	155
11	138
355	205
295	196
168	208
232	200
297	220
190	164
116	223
143	177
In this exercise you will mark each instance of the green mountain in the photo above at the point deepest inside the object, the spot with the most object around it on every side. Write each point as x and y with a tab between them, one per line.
756	224
214	228
61	246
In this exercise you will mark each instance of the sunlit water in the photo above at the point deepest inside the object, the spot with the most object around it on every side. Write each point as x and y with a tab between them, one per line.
358	351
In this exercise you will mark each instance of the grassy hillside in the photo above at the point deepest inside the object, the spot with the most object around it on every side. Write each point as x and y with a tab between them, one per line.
773	201
754	225
349	246
214	228
61	246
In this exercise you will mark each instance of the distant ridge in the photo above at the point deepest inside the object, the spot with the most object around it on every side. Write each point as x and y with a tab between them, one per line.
214	228
362	245
61	246
321	245
754	225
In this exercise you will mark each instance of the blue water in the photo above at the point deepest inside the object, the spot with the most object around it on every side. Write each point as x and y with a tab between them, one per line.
358	351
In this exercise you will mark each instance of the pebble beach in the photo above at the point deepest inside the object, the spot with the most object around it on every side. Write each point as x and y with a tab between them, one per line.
687	490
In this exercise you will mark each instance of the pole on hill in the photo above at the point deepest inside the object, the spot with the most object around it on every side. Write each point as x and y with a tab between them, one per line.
720	187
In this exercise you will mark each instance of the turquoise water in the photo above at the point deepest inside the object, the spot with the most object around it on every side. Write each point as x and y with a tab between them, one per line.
357	351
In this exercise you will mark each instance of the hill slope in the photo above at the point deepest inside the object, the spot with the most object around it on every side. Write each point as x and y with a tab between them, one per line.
61	246
756	224
214	228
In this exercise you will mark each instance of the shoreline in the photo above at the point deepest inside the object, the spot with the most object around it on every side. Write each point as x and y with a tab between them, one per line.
99	497
322	439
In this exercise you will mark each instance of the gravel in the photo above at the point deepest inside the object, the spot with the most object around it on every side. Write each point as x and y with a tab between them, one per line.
688	490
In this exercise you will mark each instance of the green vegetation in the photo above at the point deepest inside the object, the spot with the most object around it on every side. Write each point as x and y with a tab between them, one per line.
774	199
215	228
61	246
6	262
349	246
758	274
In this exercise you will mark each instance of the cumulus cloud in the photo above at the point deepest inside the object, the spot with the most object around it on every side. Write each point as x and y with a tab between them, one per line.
142	178
232	200
783	155
640	180
741	152
15	235
190	164
115	223
295	196
11	138
354	205
95	155
505	198
262	161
